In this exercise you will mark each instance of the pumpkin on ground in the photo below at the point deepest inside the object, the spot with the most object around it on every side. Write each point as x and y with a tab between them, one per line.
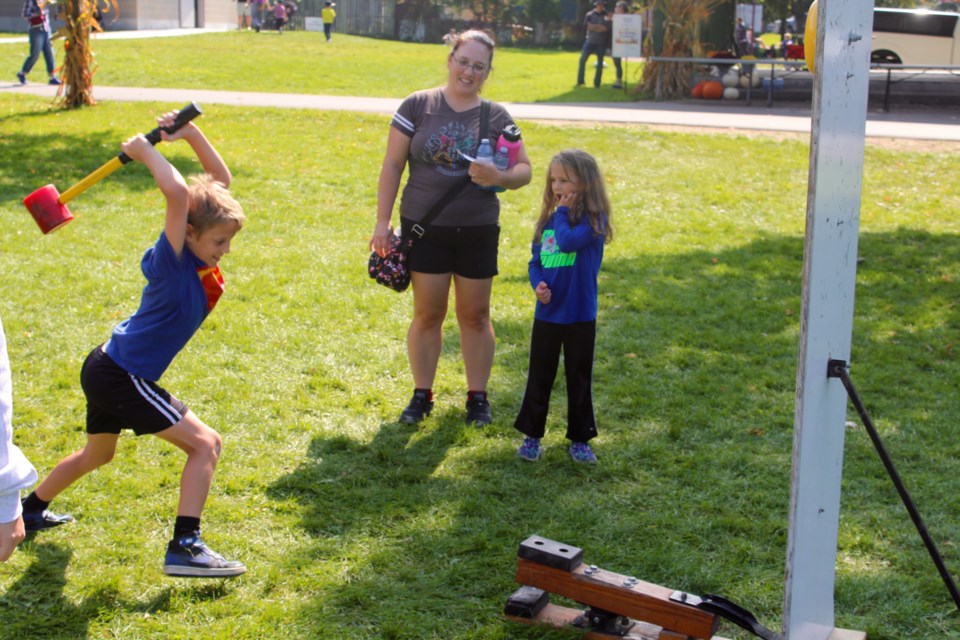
697	91
712	90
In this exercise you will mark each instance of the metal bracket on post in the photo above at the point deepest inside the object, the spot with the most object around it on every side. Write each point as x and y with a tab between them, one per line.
838	369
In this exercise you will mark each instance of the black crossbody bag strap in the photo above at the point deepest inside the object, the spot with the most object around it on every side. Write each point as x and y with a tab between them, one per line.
419	228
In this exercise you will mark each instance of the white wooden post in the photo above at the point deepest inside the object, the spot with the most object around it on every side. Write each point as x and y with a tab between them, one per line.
829	273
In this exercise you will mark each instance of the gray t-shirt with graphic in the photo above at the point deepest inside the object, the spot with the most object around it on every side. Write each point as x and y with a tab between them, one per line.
437	136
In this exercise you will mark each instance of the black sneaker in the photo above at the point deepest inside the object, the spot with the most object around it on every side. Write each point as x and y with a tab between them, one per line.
189	557
478	410
46	519
419	408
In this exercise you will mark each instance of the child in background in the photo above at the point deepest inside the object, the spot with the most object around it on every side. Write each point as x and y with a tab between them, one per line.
119	378
280	16
328	14
574	225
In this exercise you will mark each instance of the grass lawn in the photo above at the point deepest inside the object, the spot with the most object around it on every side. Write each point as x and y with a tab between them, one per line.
303	62
354	526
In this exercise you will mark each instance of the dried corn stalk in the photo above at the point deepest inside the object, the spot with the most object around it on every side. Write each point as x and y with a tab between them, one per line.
82	17
681	21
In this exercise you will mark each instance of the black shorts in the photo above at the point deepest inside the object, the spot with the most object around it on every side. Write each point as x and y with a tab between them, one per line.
117	399
470	252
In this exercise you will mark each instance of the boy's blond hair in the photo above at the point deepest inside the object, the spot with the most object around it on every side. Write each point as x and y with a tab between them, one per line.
210	204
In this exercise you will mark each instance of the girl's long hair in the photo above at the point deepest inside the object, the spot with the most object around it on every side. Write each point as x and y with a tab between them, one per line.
591	200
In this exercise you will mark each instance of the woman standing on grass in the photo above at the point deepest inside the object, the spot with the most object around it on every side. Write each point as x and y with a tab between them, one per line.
428	133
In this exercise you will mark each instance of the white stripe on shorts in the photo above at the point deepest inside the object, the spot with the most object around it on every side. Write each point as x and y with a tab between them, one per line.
151	396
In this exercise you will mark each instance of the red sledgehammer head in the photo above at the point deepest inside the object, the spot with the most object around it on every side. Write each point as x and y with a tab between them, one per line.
45	207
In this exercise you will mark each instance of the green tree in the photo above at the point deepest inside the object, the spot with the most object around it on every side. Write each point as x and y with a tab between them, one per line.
545	11
782	9
492	11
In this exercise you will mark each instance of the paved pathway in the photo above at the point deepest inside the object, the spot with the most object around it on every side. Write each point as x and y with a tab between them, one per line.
922	125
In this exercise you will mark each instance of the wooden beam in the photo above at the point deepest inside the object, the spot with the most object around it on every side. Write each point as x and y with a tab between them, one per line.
619	594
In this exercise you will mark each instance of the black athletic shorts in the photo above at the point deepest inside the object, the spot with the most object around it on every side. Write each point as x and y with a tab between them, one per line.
117	399
470	252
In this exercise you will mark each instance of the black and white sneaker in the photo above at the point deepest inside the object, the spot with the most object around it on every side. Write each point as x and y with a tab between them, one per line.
189	557
46	519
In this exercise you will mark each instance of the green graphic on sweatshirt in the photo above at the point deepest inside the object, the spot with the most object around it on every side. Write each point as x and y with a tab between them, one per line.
550	255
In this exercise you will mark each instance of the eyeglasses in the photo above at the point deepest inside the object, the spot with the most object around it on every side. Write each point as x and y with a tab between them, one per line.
464	64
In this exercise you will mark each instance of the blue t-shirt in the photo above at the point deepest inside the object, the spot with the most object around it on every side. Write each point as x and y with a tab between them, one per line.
568	260
179	295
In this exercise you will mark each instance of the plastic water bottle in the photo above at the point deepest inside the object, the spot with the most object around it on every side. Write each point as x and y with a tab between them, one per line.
501	160
485	152
485	156
510	138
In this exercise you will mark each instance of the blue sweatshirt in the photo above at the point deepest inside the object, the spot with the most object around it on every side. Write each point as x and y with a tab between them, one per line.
568	260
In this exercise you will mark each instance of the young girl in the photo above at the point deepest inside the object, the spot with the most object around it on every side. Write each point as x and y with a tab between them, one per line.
567	251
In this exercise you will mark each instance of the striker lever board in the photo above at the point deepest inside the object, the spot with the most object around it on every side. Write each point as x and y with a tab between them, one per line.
556	568
531	606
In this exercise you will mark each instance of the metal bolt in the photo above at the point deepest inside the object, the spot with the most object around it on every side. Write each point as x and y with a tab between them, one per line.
854	37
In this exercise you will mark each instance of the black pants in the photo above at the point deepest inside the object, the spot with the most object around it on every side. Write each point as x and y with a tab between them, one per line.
577	342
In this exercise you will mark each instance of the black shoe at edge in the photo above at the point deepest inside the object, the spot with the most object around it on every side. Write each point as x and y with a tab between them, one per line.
419	408
478	411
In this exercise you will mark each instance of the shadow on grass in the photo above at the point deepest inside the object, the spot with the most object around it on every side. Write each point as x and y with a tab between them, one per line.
694	390
35	607
399	455
64	159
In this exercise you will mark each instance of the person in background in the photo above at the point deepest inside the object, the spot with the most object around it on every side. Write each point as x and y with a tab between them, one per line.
597	23
257	7
280	15
16	472
328	14
450	37
35	12
619	8
243	14
740	32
